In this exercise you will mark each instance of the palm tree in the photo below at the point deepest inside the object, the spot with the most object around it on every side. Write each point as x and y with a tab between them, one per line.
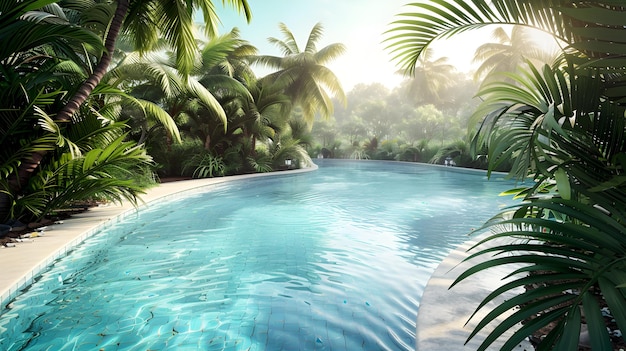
227	55
254	106
154	81
38	62
88	159
225	70
255	110
564	127
307	81
259	115
509	52
145	22
36	25
429	79
271	110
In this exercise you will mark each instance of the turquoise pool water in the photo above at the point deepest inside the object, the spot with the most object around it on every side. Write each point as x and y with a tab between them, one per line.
334	259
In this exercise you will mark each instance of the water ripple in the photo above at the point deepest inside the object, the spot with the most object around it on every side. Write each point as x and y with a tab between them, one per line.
332	260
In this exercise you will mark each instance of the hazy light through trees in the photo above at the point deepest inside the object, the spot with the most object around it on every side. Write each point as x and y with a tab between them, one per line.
431	108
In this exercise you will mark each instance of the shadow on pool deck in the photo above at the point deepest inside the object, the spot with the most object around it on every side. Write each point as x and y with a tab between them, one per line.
443	312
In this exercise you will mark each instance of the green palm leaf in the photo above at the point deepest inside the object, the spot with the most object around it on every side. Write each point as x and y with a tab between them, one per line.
574	257
22	36
302	73
437	19
102	172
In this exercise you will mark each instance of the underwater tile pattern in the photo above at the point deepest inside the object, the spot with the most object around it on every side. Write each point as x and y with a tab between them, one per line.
334	260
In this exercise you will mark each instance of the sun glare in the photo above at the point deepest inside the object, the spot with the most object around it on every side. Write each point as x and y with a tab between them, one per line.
545	41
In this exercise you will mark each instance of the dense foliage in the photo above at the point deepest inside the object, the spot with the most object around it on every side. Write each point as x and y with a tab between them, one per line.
427	118
379	123
97	99
563	128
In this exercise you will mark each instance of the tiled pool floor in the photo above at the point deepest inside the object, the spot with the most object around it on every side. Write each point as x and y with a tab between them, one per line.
440	322
21	263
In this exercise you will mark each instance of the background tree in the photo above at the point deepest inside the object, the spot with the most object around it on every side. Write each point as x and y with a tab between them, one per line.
424	123
306	79
509	52
399	124
429	79
355	129
325	131
374	116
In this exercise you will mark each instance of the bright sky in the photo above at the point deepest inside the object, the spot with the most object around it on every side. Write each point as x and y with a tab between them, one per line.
358	24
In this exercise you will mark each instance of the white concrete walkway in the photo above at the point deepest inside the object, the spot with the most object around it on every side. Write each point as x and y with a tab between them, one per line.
20	264
443	312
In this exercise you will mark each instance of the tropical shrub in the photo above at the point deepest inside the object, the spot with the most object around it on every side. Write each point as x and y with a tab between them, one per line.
288	148
170	159
261	162
205	165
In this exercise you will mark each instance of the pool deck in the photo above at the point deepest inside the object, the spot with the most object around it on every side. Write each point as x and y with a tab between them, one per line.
20	264
442	312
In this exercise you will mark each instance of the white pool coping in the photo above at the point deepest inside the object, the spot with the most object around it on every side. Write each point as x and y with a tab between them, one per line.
443	315
24	262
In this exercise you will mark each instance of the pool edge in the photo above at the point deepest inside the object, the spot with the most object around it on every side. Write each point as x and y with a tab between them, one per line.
444	312
23	263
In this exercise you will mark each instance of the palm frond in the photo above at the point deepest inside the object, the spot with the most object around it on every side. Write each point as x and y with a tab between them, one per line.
175	21
21	36
556	252
289	46
316	34
267	61
105	173
415	31
437	19
48	124
329	53
138	26
207	98
155	112
211	18
11	10
92	132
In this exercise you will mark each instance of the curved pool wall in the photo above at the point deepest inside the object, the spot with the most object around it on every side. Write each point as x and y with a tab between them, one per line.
443	321
373	304
23	264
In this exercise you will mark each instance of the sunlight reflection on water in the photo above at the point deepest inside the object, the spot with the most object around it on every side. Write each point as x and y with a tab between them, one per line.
335	259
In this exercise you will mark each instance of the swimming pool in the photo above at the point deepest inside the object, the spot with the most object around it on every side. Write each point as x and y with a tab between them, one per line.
335	259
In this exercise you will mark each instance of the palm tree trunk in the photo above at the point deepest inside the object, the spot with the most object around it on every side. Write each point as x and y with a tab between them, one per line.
253	145
94	79
207	142
30	163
